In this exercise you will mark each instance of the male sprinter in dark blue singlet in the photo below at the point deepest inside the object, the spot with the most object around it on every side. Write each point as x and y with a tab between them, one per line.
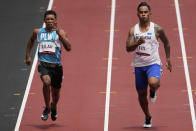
50	40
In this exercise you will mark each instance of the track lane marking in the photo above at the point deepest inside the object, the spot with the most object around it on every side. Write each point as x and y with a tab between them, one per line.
109	72
186	70
17	126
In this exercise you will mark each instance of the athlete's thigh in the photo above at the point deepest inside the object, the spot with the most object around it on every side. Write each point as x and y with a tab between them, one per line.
44	74
57	75
141	78
154	74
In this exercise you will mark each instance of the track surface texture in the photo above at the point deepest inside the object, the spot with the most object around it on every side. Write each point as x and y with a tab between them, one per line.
83	95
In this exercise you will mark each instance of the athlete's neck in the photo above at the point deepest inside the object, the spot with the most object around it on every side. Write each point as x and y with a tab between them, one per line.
49	29
144	26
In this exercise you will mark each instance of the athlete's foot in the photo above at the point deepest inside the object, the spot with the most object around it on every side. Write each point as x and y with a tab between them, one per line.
148	122
45	114
153	96
53	113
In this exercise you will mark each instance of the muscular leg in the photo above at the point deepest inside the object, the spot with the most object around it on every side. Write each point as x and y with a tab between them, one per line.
46	89
141	86
154	83
142	96
55	97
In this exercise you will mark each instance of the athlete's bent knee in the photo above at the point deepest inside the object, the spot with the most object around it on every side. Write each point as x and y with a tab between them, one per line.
46	81
154	85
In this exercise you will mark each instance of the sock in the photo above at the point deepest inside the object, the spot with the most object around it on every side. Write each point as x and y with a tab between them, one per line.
152	93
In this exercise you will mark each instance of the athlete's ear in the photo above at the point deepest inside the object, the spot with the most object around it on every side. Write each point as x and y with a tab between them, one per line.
137	14
150	13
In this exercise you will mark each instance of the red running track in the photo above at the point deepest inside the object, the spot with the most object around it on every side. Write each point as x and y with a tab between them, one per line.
188	21
82	102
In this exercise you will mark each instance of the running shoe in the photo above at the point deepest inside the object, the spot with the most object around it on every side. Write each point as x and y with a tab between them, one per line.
148	122
53	113
153	96
45	114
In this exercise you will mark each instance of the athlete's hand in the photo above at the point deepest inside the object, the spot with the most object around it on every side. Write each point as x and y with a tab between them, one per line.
169	65
28	61
141	40
57	29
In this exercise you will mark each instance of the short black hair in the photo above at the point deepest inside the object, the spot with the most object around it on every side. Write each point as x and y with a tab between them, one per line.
143	4
50	12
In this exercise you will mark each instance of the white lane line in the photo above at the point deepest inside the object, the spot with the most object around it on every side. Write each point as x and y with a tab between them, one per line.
109	73
186	70
29	82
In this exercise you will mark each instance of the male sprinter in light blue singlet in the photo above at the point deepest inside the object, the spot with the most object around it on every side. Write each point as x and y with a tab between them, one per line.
143	42
50	40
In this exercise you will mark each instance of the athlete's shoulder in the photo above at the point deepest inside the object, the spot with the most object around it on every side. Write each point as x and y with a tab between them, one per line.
35	31
132	29
158	28
34	34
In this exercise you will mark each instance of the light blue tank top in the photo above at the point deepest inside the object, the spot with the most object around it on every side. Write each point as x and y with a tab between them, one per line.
49	46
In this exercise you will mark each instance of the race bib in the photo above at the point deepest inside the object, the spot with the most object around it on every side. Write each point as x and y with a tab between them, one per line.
47	47
144	49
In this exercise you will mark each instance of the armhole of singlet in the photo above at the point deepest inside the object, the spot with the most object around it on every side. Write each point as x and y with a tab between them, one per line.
38	34
136	28
154	32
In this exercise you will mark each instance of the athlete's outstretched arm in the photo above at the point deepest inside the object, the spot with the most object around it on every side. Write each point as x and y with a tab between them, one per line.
131	45
165	41
30	46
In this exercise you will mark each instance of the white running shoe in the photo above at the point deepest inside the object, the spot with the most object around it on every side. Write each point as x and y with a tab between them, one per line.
153	99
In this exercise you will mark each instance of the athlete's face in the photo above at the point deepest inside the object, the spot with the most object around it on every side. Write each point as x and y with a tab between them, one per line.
50	21
144	14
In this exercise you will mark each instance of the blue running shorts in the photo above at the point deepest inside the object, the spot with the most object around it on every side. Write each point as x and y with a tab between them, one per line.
143	73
